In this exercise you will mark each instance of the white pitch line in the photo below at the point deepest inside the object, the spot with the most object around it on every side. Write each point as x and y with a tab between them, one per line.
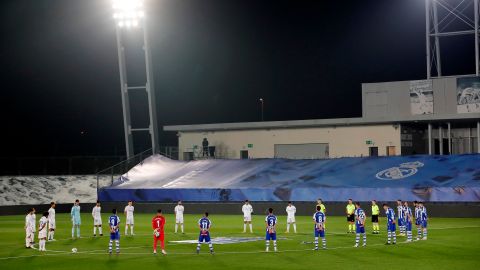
96	252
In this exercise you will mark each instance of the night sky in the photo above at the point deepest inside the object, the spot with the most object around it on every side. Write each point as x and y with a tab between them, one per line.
213	60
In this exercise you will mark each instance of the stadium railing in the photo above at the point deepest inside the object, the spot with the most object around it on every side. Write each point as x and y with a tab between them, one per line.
107	176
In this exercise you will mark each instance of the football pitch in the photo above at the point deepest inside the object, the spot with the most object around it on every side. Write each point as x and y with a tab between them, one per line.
453	243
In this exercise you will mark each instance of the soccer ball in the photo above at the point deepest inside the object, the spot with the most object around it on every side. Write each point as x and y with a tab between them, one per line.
74	250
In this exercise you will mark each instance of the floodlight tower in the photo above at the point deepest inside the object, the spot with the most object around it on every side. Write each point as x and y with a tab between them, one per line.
445	19
130	16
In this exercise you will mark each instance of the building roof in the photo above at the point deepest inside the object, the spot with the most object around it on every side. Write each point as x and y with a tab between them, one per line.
320	123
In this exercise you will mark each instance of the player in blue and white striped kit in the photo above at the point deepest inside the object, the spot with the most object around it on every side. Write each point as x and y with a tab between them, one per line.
401	217
360	218
418	219
408	221
271	230
390	224
204	223
423	219
114	224
319	220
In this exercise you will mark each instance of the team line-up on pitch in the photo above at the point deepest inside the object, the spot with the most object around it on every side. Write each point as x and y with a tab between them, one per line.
356	218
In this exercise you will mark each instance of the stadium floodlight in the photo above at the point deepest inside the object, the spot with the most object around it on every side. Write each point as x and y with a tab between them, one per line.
128	13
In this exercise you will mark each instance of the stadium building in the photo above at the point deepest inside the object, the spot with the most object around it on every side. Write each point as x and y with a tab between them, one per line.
436	116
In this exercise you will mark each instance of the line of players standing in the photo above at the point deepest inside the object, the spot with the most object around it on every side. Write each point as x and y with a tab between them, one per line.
47	224
356	218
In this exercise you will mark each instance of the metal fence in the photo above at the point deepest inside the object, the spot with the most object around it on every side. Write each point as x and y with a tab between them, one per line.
107	176
72	165
56	165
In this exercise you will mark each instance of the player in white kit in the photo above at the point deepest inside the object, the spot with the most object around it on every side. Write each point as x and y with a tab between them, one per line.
33	222
291	210
51	221
42	231
97	219
129	209
247	210
179	209
29	235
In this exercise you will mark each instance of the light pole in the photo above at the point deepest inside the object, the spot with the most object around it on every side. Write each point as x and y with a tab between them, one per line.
261	104
129	16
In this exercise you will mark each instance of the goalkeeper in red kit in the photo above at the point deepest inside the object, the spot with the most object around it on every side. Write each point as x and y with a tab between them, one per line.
158	225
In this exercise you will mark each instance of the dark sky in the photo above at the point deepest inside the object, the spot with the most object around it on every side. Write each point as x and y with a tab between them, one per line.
212	59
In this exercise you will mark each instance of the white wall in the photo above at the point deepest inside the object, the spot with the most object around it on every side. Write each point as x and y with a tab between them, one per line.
343	141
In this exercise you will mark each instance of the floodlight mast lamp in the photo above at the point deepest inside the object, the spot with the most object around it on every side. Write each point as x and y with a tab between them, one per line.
465	13
129	16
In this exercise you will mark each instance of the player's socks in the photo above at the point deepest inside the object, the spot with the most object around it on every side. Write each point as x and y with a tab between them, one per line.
110	246
275	245
251	229
94	230
419	233
244	227
267	243
131	229
73	231
324	243
316	243
394	235
78	231
425	233
294	228
100	230
364	239
210	246
357	239
181	227
117	246
198	247
126	229
409	236
288	227
389	236
176	227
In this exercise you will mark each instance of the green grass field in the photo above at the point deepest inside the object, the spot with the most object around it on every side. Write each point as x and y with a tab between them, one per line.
453	243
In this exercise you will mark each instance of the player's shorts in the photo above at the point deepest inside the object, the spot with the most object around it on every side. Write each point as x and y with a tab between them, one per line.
319	233
204	237
51	225
115	236
247	218
271	236
290	219
160	237
418	222
351	218
129	221
391	227
97	221
76	221
424	224
42	234
401	222
179	219
375	218
408	226
360	229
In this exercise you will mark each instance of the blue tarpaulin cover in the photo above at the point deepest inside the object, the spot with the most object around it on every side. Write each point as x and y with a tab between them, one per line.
420	177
